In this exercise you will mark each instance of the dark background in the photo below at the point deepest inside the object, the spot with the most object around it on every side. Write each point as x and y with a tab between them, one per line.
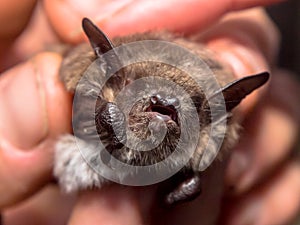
287	17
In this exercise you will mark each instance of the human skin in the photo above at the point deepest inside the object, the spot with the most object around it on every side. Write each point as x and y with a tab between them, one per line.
26	152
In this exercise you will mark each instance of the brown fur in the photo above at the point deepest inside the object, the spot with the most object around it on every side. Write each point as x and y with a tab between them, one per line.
76	63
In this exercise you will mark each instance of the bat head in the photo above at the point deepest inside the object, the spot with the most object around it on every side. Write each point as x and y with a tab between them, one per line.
159	113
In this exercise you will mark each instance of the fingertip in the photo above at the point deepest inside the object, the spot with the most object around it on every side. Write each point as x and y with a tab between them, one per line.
21	110
127	17
274	202
112	204
65	20
243	59
34	103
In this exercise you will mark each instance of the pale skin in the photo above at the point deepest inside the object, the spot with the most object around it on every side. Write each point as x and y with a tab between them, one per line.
35	109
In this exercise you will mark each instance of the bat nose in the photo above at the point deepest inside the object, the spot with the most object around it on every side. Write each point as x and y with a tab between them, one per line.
157	99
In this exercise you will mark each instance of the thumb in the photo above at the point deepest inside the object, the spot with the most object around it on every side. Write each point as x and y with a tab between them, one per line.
34	109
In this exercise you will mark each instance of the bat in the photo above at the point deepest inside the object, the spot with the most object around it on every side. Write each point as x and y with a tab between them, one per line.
170	112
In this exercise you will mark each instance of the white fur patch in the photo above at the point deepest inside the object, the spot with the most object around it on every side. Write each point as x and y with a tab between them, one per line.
72	170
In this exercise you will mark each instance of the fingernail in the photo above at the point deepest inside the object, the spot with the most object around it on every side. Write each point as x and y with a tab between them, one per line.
251	60
22	107
92	7
240	53
238	165
110	205
249	215
108	9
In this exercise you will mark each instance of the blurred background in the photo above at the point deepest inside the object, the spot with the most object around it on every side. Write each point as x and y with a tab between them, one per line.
287	17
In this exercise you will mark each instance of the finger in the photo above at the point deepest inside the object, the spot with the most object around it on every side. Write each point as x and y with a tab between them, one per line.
124	17
239	40
269	134
205	209
14	16
116	204
251	29
49	206
247	41
275	203
34	109
110	205
37	37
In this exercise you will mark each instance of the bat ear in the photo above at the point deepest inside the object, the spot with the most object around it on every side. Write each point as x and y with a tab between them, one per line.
101	45
98	40
236	91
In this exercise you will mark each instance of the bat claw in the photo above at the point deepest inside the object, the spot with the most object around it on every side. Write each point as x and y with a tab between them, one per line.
187	189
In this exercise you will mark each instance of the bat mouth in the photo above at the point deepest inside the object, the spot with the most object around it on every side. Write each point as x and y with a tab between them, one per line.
166	113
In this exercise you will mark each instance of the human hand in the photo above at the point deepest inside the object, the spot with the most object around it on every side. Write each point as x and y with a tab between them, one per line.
88	203
263	175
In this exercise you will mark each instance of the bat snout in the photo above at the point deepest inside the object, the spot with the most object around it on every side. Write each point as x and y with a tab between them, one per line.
164	108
